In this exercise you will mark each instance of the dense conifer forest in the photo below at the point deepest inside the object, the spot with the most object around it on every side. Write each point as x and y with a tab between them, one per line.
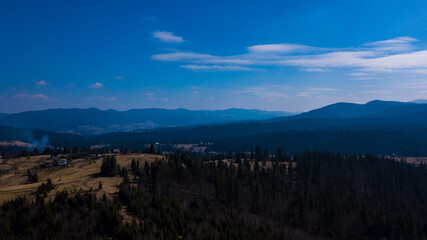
257	195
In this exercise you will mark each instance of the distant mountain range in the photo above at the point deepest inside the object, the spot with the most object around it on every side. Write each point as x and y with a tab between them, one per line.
374	115
352	110
420	101
380	127
94	121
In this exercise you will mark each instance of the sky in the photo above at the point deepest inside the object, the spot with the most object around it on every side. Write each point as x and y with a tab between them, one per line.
273	55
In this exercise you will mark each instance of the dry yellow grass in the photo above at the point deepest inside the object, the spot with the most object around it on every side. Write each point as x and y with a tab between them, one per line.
79	175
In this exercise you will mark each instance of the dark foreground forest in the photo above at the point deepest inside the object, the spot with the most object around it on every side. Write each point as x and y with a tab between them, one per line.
249	196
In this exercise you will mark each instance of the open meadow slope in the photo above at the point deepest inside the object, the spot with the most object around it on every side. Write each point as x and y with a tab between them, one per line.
79	175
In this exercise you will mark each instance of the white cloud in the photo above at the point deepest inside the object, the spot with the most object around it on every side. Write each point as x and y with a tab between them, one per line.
416	84
41	83
182	57
366	78
376	92
316	70
358	74
33	97
322	89
398	44
207	68
282	92
282	48
96	85
167	37
268	91
397	55
101	98
341	59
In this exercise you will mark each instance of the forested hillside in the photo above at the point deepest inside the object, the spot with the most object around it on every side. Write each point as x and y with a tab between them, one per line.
246	196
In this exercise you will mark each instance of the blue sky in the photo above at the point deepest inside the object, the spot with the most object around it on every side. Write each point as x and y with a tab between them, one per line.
289	56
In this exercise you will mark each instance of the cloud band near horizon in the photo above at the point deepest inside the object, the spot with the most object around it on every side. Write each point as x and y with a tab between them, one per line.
394	55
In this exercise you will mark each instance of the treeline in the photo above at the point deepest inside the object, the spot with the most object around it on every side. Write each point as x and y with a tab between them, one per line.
330	195
16	152
406	142
81	216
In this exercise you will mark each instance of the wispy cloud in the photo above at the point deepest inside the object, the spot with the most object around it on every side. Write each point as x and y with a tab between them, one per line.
151	97
101	98
316	70
358	74
375	92
208	68
283	48
96	85
365	78
415	84
399	44
119	77
167	37
184	57
41	83
322	89
281	92
388	56
33	97
267	91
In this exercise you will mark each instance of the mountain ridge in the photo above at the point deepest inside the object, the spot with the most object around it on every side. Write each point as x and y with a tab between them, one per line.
348	110
95	121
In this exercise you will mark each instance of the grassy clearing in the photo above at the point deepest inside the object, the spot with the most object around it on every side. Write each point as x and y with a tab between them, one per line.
79	175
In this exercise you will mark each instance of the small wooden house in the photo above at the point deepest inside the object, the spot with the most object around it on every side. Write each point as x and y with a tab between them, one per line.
62	162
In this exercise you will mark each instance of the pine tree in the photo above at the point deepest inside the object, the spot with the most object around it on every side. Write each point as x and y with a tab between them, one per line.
24	153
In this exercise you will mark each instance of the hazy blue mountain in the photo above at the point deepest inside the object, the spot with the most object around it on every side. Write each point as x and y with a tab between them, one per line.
374	116
419	101
383	127
401	110
3	115
351	110
95	121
